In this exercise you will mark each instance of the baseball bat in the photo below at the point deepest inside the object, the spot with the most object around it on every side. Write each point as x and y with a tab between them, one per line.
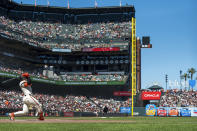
9	80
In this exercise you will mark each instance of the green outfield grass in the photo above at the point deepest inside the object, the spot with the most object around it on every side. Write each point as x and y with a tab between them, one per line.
135	124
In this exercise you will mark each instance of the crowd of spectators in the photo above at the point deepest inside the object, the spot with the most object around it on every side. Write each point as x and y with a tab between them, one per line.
179	98
83	77
67	103
20	71
67	36
69	77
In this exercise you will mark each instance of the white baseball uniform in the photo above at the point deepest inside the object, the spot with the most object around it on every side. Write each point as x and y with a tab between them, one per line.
28	100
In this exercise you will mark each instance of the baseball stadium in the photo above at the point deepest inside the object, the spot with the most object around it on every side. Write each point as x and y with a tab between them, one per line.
64	68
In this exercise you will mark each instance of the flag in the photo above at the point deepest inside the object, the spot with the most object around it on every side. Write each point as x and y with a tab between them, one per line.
35	2
120	3
48	3
68	4
95	4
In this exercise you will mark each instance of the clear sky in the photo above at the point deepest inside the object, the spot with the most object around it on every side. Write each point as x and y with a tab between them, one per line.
172	26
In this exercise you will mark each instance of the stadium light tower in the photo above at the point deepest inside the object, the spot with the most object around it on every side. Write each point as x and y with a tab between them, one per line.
166	81
180	79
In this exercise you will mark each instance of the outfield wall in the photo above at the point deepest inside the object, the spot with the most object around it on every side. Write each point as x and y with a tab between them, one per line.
4	112
138	111
152	110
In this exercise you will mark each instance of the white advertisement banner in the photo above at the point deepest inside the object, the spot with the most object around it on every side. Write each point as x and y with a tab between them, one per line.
194	111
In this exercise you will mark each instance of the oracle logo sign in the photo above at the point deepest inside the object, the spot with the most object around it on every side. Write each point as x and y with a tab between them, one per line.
151	95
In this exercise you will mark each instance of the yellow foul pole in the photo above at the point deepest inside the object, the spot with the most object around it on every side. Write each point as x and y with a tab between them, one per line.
133	61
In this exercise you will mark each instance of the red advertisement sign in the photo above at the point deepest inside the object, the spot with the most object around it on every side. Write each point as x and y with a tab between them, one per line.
68	114
151	95
101	49
122	93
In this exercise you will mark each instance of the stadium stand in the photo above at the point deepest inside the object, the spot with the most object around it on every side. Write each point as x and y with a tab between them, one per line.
52	103
179	98
69	77
67	36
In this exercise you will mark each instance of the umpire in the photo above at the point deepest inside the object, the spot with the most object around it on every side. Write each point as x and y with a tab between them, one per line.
105	110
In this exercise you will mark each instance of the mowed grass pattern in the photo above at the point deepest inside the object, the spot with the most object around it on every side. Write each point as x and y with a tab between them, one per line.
137	124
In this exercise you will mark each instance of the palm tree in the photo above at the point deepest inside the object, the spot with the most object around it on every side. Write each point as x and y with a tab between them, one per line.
185	76
191	71
181	79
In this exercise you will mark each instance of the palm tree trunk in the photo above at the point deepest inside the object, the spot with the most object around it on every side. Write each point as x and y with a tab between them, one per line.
191	79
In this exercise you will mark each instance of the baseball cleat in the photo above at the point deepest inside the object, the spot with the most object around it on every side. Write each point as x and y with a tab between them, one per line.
11	116
41	117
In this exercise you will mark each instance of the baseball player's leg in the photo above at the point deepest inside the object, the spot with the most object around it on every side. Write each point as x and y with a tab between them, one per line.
38	107
23	112
19	113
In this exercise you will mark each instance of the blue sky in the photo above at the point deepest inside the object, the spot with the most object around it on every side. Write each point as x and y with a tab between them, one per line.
172	26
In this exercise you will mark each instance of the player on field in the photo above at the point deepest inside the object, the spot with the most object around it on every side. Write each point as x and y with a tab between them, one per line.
28	99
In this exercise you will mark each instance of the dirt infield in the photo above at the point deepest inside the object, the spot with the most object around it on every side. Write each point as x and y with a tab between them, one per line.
64	121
